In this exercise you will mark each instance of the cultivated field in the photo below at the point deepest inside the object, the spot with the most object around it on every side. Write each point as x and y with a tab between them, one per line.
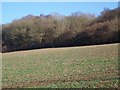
73	67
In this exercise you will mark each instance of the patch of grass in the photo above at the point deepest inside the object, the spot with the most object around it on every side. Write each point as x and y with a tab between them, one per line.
62	67
85	84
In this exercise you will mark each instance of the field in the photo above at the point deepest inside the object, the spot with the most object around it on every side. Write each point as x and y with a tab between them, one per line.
74	67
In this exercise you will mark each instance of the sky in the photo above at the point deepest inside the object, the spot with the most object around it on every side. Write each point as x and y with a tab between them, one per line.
16	10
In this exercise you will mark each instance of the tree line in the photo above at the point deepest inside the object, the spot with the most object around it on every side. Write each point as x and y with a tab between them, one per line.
55	30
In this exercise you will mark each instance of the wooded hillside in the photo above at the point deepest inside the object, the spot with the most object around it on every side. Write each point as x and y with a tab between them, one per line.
54	30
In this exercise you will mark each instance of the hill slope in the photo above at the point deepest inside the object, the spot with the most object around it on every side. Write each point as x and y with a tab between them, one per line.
75	67
78	29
